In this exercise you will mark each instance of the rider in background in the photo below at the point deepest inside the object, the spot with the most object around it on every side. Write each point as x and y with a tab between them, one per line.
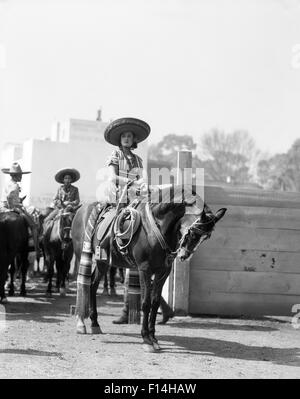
11	200
67	196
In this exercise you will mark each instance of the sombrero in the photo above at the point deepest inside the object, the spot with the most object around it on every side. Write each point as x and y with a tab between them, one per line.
75	175
15	169
139	128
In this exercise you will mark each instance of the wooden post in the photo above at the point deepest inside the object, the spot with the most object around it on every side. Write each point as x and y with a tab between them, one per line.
181	270
176	289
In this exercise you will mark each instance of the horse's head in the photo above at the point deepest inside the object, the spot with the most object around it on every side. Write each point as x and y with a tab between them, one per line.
65	228
195	229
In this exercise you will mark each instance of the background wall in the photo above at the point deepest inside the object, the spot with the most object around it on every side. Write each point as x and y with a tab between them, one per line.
251	264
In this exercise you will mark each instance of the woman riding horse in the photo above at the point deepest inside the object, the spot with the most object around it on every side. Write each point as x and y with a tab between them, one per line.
125	167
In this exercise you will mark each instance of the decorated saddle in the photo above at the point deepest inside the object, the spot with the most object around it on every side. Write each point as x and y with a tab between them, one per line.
116	228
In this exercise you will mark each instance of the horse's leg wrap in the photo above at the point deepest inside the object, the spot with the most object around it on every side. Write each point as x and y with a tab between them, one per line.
85	268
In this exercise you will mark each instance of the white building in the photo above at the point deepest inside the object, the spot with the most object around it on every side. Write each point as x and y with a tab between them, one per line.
76	143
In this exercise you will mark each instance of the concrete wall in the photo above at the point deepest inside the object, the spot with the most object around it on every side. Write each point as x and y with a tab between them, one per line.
45	157
75	143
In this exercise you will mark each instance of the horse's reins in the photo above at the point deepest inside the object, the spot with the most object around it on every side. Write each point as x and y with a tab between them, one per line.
171	255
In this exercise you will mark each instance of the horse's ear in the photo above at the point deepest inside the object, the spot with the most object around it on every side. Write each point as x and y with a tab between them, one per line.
220	213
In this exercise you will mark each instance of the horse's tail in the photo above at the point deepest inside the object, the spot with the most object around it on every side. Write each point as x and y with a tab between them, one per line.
84	277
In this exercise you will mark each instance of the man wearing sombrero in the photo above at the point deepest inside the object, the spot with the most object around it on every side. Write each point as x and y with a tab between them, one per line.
11	200
67	196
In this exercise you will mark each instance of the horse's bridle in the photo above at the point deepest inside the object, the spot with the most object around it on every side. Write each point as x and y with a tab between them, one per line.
194	228
63	227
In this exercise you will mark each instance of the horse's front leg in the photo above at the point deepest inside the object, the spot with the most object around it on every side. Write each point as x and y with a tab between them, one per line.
4	264
50	269
112	280
24	267
11	285
59	268
157	285
97	275
65	268
105	285
145	283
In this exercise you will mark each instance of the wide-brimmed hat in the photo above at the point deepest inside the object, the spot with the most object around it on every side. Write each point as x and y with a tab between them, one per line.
75	175
15	169
139	128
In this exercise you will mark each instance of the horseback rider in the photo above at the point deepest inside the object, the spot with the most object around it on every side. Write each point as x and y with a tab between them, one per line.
125	168
123	165
11	200
67	196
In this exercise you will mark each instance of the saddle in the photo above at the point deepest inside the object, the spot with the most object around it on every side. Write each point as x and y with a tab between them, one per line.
123	224
104	222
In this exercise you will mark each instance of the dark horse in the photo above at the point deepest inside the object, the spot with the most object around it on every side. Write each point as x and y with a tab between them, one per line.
18	265
58	248
13	243
168	229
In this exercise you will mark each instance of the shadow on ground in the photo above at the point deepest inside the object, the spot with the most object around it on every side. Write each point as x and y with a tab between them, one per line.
199	346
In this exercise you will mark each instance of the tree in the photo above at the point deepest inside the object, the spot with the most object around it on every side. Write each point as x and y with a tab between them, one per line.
229	157
165	151
281	171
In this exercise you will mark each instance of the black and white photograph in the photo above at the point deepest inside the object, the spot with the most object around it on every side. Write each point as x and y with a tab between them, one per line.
149	192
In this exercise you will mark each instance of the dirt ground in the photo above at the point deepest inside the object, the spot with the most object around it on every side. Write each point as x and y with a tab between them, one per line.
38	340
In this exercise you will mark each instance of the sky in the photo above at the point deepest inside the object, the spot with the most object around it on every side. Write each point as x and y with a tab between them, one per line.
184	66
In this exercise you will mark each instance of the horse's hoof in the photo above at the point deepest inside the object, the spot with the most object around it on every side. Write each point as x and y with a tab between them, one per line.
166	318
11	293
105	291
49	294
3	301
81	330
156	346
62	292
23	293
96	330
113	292
149	348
